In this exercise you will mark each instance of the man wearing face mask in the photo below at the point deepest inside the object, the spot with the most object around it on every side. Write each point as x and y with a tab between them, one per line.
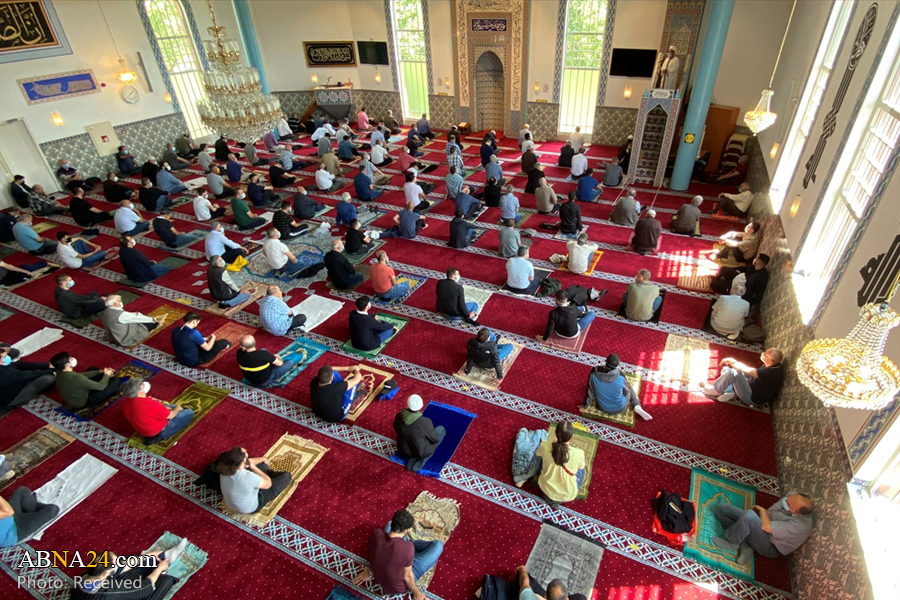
43	205
171	237
205	210
222	287
137	267
123	327
126	162
775	532
755	386
152	198
83	390
84	213
167	182
76	306
29	238
128	221
217	185
171	157
71	178
77	253
114	191
21	381
219	245
243	216
149	170
275	316
152	418
278	255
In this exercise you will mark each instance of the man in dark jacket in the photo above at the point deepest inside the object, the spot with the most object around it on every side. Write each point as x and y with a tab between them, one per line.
137	267
76	306
222	150
570	216
222	288
304	206
152	198
367	332
114	191
491	194
565	155
646	234
340	271
567	320
461	231
21	381
417	437
484	351
451	299
757	280
149	170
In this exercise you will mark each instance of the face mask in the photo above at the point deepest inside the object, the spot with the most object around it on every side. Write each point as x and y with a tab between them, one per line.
278	234
762	357
168	168
70	283
73	362
6	360
241	197
124	151
145	387
784	504
65	165
115	178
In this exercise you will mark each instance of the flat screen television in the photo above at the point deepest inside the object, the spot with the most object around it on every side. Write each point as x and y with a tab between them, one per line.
372	53
632	62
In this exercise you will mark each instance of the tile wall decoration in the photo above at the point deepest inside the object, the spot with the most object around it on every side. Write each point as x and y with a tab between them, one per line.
543	118
442	111
143	138
612	125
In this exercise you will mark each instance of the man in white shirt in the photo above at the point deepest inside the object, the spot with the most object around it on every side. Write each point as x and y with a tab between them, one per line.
729	312
321	131
519	271
736	204
128	221
577	139
284	130
380	156
325	181
580	254
522	132
414	193
278	255
579	165
76	252
205	210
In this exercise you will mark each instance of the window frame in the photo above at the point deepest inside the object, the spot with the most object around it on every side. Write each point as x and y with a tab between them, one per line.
588	77
421	90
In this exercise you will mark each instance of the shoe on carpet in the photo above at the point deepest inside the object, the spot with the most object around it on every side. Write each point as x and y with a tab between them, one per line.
709	391
745	553
724	544
726	397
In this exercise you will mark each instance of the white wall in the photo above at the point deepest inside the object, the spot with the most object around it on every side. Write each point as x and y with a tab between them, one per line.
542	49
442	63
639	24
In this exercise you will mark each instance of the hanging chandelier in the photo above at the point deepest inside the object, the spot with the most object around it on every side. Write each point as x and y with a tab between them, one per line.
235	105
852	372
762	117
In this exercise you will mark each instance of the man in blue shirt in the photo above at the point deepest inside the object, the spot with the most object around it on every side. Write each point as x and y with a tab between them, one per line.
376	135
275	316
365	191
233	169
168	182
453	183
28	237
520	272
346	211
347	149
219	245
137	267
408	223
493	169
586	191
191	348
486	153
467	203
509	205
424	129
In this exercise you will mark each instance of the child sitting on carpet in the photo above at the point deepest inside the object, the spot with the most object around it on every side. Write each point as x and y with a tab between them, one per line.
562	468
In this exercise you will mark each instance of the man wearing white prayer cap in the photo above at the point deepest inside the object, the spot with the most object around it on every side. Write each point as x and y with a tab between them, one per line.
669	70
417	437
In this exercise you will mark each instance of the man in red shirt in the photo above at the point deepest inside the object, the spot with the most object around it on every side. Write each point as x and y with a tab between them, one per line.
150	417
384	280
397	563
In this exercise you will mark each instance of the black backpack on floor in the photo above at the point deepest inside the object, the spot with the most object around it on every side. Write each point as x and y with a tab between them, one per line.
675	515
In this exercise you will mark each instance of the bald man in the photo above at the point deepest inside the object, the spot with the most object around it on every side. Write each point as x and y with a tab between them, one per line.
261	368
755	386
341	273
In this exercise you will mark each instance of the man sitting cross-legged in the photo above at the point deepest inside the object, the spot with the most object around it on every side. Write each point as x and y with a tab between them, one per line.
76	252
278	255
275	316
396	563
23	516
331	396
608	390
222	287
137	267
260	367
417	437
566	320
341	272
248	484
126	328
755	386
451	299
76	306
83	390
530	589
191	347
367	332
483	351
152	418
357	240
641	298
384	280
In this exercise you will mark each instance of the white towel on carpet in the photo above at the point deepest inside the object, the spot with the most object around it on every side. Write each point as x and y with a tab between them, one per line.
317	309
77	481
36	341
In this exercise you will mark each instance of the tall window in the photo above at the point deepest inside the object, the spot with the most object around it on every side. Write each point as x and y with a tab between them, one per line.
872	143
582	61
409	37
808	108
180	59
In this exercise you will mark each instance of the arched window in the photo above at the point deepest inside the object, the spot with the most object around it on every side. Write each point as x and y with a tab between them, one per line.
582	64
412	58
175	45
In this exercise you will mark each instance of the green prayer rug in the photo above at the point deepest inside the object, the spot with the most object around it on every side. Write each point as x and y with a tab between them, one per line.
524	213
6	251
179	201
188	562
626	417
355	259
200	398
398	322
588	442
173	262
707	491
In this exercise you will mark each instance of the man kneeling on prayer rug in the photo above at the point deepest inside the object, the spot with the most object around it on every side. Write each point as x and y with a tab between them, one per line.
417	437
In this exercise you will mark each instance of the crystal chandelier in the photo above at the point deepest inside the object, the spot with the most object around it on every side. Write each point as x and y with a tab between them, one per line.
761	117
852	372
235	105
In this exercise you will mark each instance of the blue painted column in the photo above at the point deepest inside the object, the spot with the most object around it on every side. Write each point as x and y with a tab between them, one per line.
707	69
248	36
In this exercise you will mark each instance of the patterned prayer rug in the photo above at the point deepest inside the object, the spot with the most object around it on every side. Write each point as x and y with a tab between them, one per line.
252	247
373	379
46	269
39	339
256	290
198	234
355	259
340	593
558	553
131	369
559	235
293	454
524	213
42	227
413	281
35	449
539	275
686	360
568	344
6	251
189	562
169	315
588	442
626	417
487	378
731	261
176	202
436	518
396	321
200	398
478	296
303	352
707	491
231	331
564	265
127	296
368	214
455	422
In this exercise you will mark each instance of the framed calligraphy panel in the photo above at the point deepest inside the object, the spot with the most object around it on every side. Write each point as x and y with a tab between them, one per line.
329	54
488	24
30	29
58	86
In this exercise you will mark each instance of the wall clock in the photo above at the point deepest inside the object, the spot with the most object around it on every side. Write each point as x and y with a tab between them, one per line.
130	94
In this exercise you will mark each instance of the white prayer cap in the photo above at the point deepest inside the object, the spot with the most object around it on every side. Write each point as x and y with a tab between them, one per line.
651	213
415	403
630	137
671	48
